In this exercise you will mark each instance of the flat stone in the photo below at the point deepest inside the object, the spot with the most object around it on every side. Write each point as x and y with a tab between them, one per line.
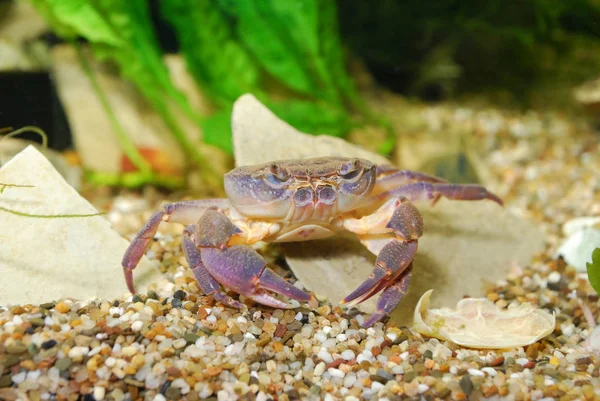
465	244
260	136
52	258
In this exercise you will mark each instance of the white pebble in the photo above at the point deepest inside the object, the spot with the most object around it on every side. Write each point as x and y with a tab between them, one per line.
326	329
476	372
159	397
421	388
298	316
180	343
319	369
522	361
554	277
271	366
348	355
336	373
350	379
99	393
211	319
376	386
490	371
341	337
137	325
110	361
242	320
78	352
325	356
19	378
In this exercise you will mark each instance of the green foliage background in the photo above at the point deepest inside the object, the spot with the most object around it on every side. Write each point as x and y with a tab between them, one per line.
232	47
513	50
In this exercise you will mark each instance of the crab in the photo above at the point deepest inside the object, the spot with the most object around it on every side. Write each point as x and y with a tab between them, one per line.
300	200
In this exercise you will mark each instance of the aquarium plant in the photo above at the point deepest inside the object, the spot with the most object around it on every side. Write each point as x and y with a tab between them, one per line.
230	48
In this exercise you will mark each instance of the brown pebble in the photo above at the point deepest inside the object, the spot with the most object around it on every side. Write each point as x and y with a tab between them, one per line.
213	371
336	363
17	310
529	365
202	313
584	361
532	351
133	392
280	331
497	362
173	372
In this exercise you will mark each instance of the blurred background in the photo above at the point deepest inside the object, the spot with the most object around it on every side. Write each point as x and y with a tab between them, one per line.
140	92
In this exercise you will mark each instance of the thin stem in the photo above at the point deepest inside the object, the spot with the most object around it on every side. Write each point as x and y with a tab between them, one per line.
126	144
29	128
4	186
45	216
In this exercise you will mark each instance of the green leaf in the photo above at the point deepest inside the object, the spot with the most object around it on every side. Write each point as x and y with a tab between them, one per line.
261	28
72	18
593	270
217	62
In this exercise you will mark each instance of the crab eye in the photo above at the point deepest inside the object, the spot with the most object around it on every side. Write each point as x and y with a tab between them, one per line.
277	175
350	170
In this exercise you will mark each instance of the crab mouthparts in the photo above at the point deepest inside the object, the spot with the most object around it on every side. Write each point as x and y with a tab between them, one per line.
325	194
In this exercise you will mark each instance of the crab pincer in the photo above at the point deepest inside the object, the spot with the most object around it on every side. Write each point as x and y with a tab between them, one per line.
238	267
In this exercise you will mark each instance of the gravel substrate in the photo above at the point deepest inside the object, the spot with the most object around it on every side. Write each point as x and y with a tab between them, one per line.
173	343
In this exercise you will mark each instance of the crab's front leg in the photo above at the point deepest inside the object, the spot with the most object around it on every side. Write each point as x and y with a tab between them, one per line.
186	212
391	233
237	267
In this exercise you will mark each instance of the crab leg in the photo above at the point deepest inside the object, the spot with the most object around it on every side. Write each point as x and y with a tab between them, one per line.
390	298
186	212
389	177
239	267
427	190
395	254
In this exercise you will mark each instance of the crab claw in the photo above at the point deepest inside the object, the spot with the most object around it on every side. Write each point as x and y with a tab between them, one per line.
244	271
393	259
390	298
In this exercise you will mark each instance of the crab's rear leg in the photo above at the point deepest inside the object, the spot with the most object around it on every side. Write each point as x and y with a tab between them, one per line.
395	253
186	212
238	267
389	177
427	190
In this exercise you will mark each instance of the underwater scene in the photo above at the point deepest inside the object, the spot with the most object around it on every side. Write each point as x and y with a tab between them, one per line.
282	200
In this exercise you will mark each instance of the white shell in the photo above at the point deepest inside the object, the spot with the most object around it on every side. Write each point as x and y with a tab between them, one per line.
479	323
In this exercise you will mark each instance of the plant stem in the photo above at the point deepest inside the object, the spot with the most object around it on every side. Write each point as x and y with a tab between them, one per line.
126	144
46	216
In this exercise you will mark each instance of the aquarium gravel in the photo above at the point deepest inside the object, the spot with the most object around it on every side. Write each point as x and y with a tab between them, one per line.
174	343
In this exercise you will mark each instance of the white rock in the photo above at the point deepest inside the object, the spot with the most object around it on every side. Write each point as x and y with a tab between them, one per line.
260	136
48	259
580	223
577	249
